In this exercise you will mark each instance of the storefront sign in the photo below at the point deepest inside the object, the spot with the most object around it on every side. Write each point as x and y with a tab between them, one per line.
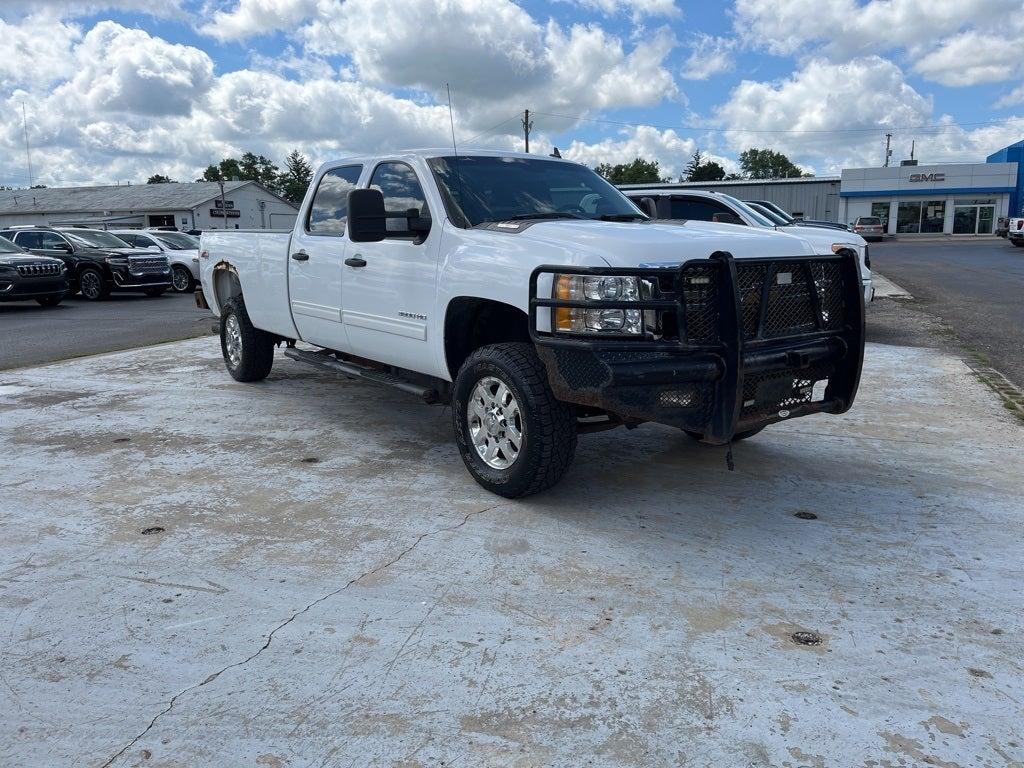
915	177
219	212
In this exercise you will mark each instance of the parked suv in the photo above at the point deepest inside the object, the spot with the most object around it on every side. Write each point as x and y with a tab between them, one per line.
789	220
97	262
679	206
181	250
869	227
25	276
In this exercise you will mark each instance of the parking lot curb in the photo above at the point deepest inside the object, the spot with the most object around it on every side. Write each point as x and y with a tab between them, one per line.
1011	395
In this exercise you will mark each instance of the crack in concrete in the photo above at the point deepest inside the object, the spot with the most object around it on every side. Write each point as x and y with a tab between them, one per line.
270	637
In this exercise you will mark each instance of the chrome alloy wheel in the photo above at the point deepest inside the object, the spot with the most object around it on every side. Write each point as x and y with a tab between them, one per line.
180	279
92	285
495	424
233	340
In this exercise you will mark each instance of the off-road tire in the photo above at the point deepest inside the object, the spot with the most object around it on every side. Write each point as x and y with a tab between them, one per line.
85	279
49	301
735	438
154	293
182	275
549	426
257	347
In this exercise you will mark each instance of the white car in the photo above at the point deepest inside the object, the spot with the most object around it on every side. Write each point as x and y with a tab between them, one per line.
689	205
538	302
181	249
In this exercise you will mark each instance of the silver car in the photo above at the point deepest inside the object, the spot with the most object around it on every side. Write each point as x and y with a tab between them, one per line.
869	227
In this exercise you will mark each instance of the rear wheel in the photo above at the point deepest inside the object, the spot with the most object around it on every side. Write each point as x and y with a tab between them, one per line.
248	351
182	280
49	301
92	284
514	436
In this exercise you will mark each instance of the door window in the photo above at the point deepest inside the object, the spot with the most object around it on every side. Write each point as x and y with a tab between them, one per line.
697	210
53	240
328	213
29	239
402	193
139	241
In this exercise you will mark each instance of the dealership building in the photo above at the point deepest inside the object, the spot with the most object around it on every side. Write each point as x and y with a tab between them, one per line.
910	199
185	206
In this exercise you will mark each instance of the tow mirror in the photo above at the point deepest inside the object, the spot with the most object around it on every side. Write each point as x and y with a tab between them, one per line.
367	220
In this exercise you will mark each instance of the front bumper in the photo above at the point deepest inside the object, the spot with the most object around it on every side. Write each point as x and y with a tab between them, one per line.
127	280
20	288
734	344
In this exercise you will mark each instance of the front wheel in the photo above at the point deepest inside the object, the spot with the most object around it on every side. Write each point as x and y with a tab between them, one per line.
182	280
92	285
248	351
514	436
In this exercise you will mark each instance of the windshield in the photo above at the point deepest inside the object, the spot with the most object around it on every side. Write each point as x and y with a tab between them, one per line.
759	218
478	189
768	213
6	246
91	238
177	241
870	220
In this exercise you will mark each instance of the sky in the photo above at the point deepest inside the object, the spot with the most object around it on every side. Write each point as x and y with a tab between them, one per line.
111	92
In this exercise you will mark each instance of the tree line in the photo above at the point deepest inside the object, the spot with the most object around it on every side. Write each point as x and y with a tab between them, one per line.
290	183
754	164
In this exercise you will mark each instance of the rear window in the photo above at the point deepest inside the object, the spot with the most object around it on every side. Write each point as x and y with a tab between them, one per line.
870	220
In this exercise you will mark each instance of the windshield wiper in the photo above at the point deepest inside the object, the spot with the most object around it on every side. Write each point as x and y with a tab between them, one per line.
622	217
542	215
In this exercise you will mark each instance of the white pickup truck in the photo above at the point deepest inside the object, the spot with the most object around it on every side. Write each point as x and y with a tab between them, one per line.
540	303
1015	230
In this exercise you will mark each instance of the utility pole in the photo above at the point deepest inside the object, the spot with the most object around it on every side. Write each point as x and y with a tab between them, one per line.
28	155
223	208
527	127
888	152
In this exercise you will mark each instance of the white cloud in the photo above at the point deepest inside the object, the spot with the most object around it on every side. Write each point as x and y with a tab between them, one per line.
671	150
830	105
255	17
637	9
37	50
709	56
1016	96
971	58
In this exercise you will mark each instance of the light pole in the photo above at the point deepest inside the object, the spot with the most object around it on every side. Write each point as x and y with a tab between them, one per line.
223	207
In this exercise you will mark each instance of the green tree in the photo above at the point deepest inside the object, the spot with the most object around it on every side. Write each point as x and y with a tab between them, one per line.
767	164
294	181
639	171
258	168
226	169
700	169
159	178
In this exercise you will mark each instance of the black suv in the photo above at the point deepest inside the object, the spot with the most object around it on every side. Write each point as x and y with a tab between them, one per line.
25	276
97	261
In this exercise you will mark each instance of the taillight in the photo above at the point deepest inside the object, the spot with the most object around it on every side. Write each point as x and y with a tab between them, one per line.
1020	224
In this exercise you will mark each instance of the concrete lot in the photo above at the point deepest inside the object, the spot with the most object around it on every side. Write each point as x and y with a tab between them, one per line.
330	588
30	334
976	286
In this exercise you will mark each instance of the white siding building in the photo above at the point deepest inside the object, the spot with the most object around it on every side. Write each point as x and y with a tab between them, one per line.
952	199
185	206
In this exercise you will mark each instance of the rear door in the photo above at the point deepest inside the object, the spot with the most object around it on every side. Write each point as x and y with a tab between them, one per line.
389	287
315	260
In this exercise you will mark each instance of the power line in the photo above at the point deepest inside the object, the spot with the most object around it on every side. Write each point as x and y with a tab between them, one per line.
516	116
711	129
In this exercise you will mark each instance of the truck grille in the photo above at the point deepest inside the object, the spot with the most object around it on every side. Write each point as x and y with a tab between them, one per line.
35	270
786	298
148	265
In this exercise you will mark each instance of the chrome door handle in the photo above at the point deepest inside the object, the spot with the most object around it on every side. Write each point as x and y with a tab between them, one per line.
356	261
300	256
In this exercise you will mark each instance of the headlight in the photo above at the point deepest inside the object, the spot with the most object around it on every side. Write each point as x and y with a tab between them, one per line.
837	247
117	261
579	320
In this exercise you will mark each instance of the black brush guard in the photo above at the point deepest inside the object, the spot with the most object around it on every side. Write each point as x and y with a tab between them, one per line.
729	344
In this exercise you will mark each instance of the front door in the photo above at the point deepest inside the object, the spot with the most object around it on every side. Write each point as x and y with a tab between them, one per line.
388	287
315	261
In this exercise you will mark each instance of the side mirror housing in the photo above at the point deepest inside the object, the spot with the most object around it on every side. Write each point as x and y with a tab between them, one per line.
367	220
726	218
154	248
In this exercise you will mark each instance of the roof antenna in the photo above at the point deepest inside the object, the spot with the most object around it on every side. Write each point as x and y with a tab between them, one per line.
458	164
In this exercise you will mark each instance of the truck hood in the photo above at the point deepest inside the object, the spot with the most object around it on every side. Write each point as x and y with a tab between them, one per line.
631	244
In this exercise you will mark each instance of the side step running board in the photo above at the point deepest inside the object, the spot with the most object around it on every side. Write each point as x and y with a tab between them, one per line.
329	362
